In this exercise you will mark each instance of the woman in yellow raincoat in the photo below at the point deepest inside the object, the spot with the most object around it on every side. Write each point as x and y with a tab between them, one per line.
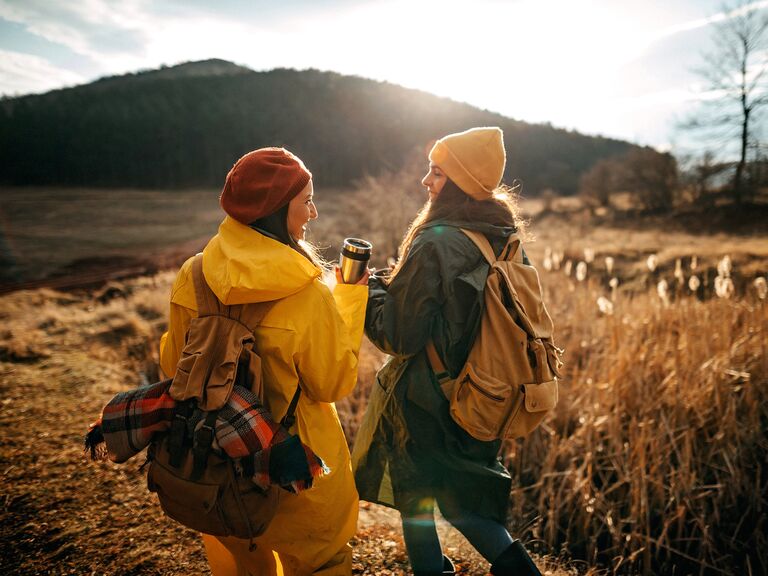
311	335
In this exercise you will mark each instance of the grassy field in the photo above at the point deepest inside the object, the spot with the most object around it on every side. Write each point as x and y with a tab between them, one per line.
653	463
47	231
62	232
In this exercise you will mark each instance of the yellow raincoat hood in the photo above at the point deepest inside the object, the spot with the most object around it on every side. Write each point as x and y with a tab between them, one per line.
258	268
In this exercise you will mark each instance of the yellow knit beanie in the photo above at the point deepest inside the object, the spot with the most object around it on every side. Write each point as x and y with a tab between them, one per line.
473	159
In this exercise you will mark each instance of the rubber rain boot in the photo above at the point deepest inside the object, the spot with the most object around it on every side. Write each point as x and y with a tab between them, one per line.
514	561
448	569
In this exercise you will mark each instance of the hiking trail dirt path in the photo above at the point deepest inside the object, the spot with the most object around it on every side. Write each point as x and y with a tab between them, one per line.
62	357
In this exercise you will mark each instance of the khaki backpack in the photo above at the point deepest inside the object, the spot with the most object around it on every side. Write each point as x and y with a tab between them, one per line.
509	381
198	487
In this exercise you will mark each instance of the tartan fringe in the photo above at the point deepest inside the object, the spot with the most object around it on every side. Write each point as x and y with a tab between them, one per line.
95	444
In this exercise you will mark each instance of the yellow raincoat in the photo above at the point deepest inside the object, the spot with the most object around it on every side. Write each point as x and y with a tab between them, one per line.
309	334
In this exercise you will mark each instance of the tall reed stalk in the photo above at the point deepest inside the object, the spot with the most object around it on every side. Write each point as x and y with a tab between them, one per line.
655	460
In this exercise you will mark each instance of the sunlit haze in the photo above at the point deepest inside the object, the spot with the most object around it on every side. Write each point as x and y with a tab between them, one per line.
617	68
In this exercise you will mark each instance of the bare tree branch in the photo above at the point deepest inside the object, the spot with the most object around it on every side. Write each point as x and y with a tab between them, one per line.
734	72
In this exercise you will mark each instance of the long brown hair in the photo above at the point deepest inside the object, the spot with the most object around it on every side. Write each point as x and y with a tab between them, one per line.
276	226
452	204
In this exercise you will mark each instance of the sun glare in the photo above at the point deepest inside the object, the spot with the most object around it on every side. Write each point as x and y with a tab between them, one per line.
530	64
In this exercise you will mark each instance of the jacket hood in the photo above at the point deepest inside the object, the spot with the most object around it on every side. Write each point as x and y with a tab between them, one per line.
242	266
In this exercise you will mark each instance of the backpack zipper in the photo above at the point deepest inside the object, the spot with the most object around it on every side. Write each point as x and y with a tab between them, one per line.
482	390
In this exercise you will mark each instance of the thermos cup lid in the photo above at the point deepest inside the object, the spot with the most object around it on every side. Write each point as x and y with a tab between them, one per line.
356	247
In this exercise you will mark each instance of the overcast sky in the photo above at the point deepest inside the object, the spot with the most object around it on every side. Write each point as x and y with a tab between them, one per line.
621	68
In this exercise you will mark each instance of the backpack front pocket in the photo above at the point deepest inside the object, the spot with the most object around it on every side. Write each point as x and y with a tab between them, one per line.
536	401
480	403
221	502
193	504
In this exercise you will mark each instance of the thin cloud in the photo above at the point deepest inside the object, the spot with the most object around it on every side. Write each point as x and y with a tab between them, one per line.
32	74
719	17
94	28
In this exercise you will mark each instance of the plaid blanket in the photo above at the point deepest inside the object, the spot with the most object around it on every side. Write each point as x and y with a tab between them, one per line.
244	429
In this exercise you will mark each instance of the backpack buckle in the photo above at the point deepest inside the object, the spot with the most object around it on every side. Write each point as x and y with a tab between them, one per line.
202	445
204	436
178	434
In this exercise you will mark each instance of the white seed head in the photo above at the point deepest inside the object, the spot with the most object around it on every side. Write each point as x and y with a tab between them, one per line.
547	263
761	287
679	276
662	288
694	262
568	267
614	282
694	283
589	255
605	306
581	271
652	262
609	264
725	266
723	287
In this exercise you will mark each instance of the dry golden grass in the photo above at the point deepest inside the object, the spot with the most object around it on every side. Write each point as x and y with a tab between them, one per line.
656	457
654	462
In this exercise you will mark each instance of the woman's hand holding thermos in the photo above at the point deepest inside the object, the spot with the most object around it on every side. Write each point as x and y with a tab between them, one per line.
353	263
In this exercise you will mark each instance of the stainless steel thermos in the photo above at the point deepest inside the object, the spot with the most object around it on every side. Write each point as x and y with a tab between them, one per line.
355	254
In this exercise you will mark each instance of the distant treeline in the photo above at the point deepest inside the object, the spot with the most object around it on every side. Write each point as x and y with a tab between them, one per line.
185	126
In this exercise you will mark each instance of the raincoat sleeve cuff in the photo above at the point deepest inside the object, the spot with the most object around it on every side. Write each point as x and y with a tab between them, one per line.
351	300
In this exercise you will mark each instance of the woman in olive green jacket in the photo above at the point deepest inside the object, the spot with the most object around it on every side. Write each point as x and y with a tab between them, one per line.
410	453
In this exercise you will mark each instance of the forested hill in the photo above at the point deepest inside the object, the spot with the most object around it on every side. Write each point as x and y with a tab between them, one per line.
184	126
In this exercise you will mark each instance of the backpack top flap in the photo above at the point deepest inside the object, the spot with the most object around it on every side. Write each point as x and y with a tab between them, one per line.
214	343
522	283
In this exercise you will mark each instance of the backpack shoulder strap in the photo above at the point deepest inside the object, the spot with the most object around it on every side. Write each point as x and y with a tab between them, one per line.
441	372
438	367
482	243
207	302
251	314
290	416
511	251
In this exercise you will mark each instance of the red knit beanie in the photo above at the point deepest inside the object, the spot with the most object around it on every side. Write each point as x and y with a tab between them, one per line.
262	182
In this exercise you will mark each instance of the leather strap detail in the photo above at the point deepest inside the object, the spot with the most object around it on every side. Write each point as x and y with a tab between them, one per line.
441	372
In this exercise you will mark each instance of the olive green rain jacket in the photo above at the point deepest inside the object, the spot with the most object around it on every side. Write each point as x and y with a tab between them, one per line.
310	335
408	445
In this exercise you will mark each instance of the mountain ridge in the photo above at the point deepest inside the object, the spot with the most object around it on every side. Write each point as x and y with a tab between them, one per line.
183	126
